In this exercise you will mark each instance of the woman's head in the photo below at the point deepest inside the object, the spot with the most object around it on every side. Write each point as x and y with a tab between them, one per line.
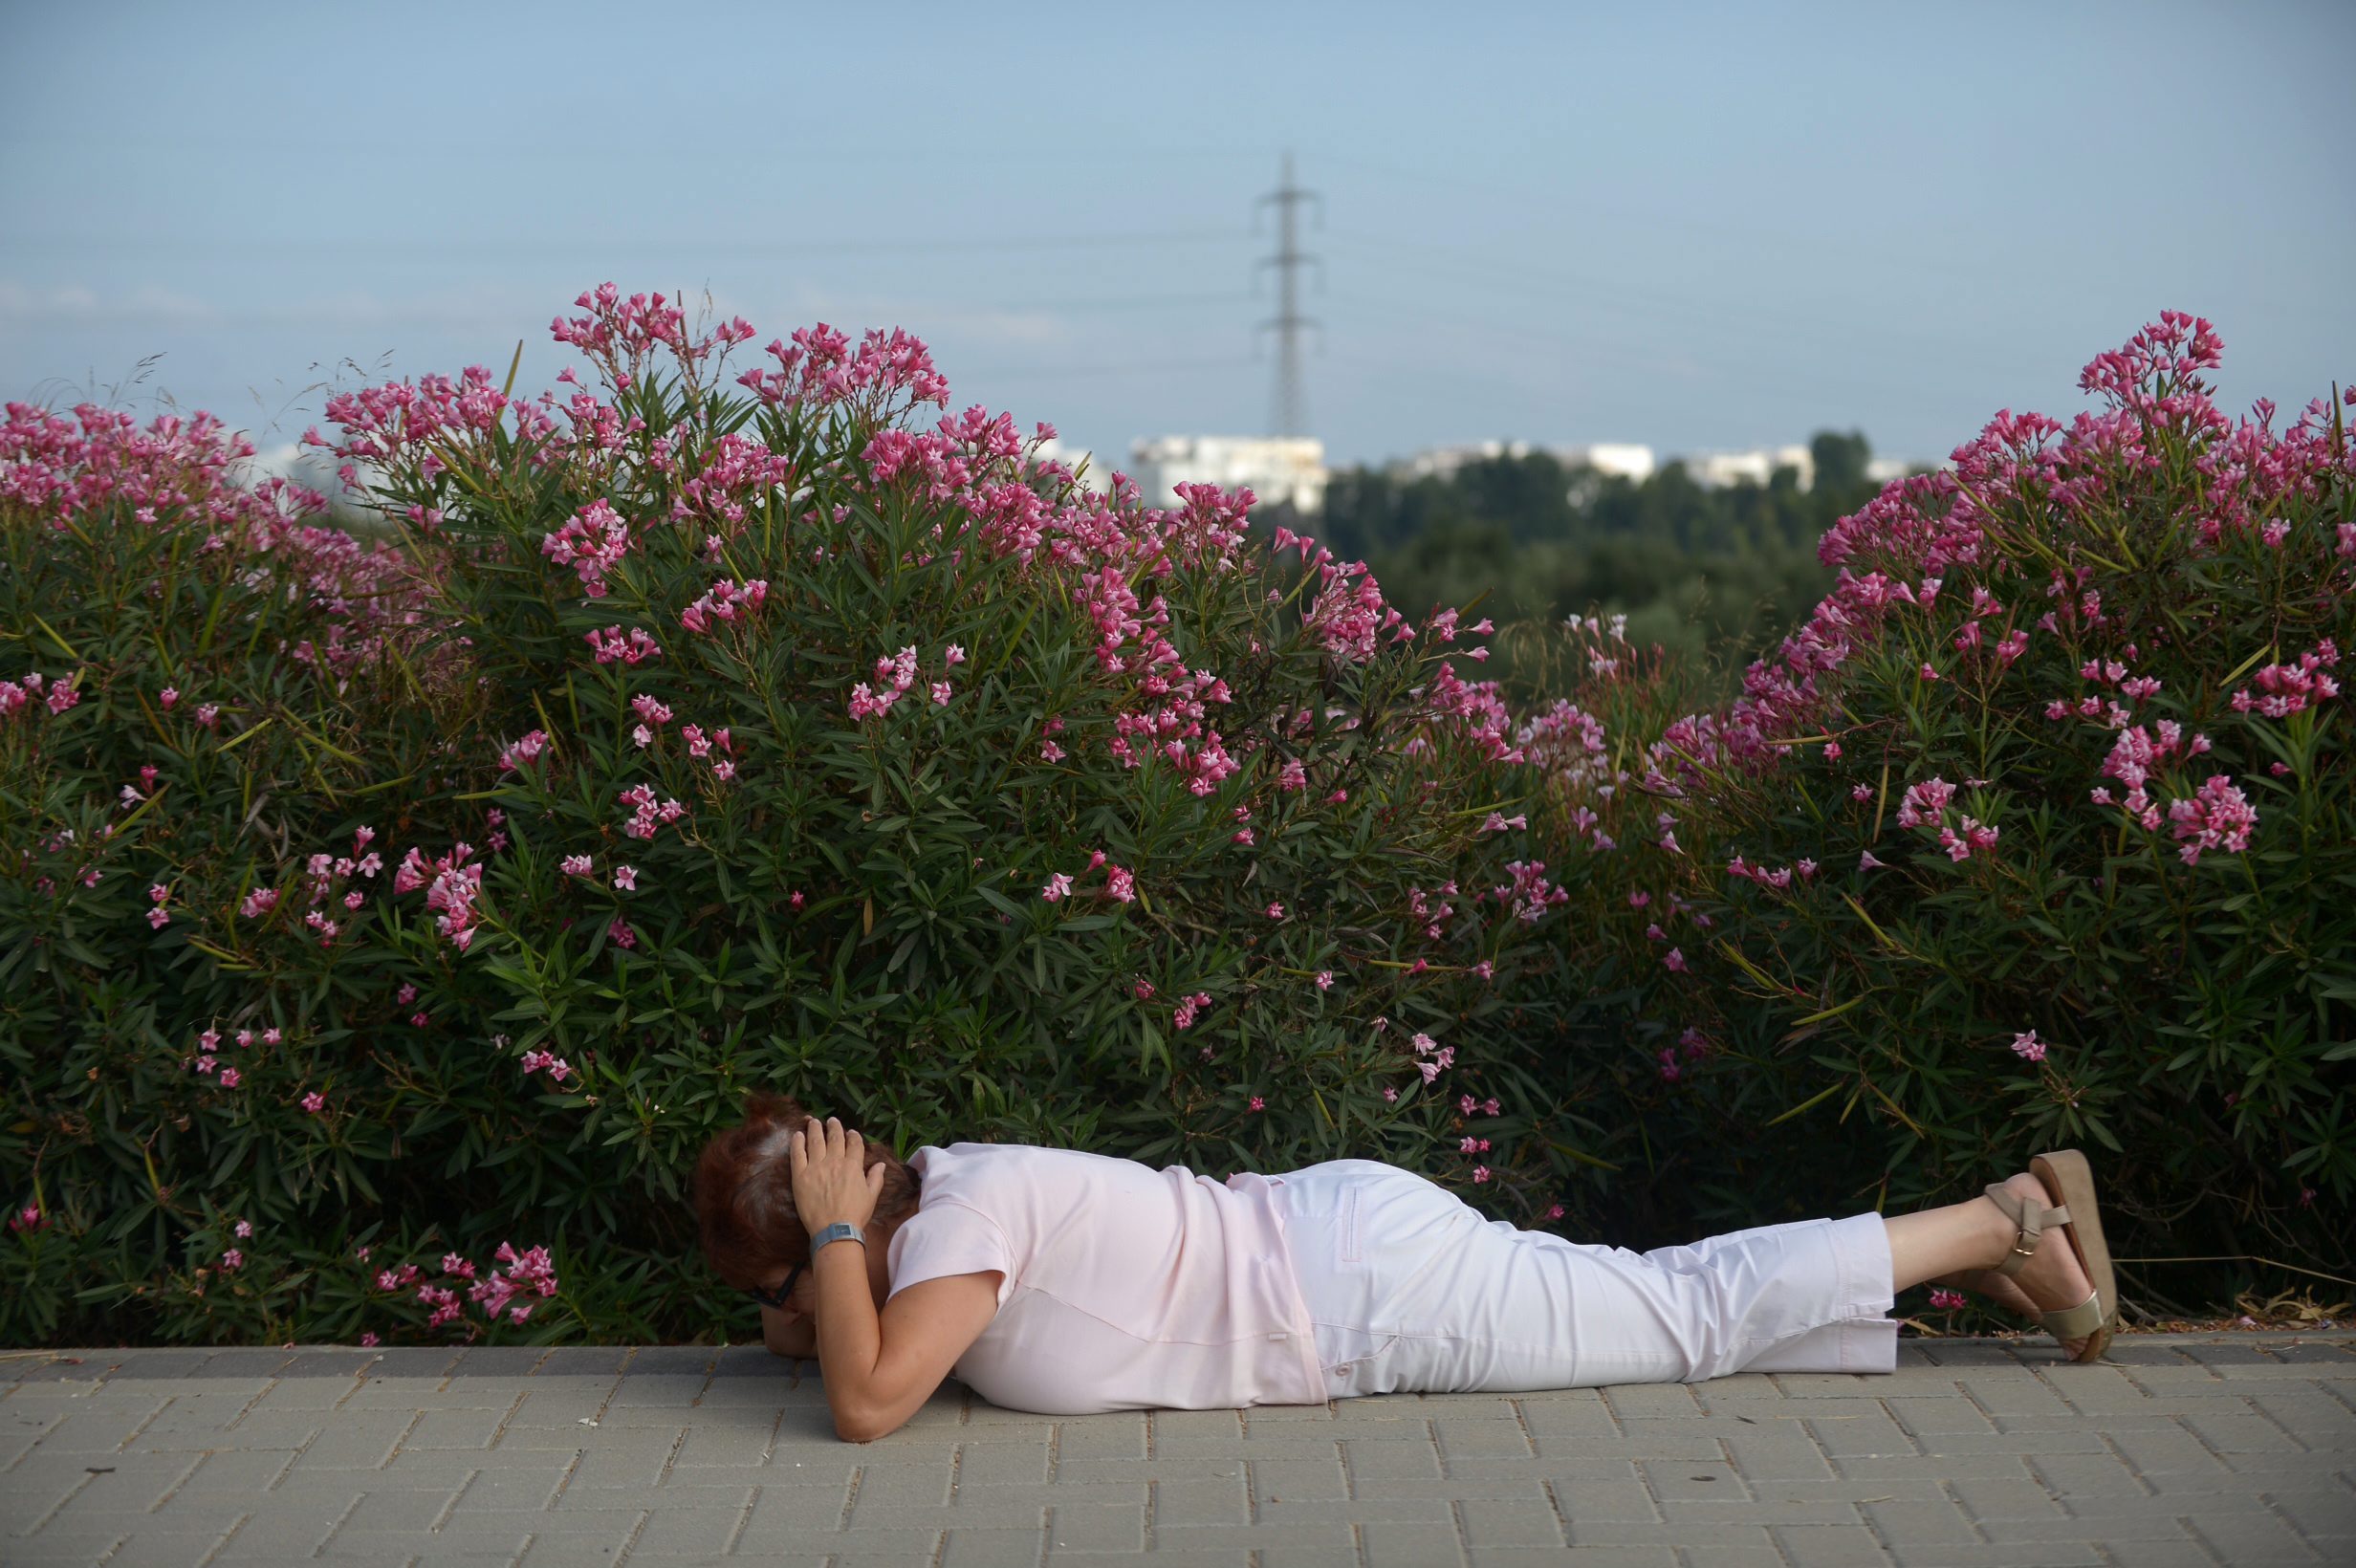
743	1191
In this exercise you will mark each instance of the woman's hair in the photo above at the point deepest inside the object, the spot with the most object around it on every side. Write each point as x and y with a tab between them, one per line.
744	1193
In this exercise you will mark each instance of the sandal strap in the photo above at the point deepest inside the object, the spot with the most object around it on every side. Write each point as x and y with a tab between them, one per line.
2030	1219
2076	1323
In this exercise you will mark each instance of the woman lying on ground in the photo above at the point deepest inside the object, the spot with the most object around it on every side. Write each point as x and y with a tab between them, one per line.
1065	1283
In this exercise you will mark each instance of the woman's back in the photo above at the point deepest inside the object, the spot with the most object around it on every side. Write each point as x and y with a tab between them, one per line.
1124	1286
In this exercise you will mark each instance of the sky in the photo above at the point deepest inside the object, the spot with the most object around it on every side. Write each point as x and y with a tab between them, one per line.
1698	226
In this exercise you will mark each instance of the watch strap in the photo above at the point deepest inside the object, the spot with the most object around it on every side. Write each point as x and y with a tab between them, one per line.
840	1231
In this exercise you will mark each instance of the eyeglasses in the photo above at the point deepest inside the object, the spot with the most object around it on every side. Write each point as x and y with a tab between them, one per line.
784	1290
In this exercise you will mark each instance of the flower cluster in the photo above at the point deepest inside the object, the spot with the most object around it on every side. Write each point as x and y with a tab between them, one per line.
451	884
725	602
592	542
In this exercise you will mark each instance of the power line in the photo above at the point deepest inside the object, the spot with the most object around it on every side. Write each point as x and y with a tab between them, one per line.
181	244
1134	367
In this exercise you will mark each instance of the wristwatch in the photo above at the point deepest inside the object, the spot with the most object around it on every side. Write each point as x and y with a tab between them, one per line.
840	1231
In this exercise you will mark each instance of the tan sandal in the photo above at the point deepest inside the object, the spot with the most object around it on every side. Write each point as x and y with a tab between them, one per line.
2068	1177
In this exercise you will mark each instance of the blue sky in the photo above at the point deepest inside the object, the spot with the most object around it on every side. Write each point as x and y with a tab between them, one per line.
1696	226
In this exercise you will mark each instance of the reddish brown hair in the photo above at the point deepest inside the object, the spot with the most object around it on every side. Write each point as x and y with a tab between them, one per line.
744	1193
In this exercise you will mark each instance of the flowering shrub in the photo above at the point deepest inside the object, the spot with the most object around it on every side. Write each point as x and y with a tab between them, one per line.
367	911
701	733
2039	831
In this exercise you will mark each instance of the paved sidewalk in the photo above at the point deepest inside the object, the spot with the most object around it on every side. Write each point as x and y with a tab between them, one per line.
2188	1450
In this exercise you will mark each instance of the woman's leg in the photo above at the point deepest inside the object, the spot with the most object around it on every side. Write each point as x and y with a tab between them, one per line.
1457	1303
1931	1243
1961	1245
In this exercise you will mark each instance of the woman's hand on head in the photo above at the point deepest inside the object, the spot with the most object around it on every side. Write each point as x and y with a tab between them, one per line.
832	1181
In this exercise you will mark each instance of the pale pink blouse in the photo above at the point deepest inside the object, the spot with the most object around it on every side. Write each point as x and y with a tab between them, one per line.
1126	1287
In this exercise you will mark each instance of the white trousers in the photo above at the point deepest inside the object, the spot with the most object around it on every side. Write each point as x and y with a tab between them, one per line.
1413	1291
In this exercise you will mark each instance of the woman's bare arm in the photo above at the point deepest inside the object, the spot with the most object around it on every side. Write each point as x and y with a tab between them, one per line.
878	1366
903	1353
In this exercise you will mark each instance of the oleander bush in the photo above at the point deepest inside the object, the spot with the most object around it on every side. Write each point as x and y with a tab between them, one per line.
2041	833
387	929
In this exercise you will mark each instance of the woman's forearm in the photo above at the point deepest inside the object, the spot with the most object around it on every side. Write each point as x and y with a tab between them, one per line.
850	1338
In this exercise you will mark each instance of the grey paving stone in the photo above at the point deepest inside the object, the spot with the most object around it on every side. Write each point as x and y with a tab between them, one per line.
87	1363
328	1363
432	1362
2128	1353
1972	1454
672	1361
1831	1545
498	1360
2302	1353
2224	1353
242	1363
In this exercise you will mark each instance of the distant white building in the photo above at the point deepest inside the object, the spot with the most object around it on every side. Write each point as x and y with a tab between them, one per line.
1626	459
1711	469
1278	468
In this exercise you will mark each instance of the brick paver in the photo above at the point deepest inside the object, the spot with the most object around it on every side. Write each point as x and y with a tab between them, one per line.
2182	1451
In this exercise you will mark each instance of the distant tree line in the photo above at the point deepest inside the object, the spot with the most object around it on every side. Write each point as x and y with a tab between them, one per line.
1717	574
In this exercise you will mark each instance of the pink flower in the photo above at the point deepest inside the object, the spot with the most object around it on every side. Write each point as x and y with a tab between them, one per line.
2028	1047
1058	886
1866	862
368	1337
619	934
955	655
1924	802
1276	911
233	1260
1943	1299
1258	1104
1930	674
1480	1173
1390	1094
2220	816
577	865
1832	751
1324	979
169	697
229	1078
315	1102
1675	959
243	1228
941	693
625	878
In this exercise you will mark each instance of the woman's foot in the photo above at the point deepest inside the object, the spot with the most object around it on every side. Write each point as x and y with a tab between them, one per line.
2050	1281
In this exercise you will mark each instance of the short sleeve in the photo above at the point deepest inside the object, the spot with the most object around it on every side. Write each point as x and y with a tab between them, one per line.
945	1238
